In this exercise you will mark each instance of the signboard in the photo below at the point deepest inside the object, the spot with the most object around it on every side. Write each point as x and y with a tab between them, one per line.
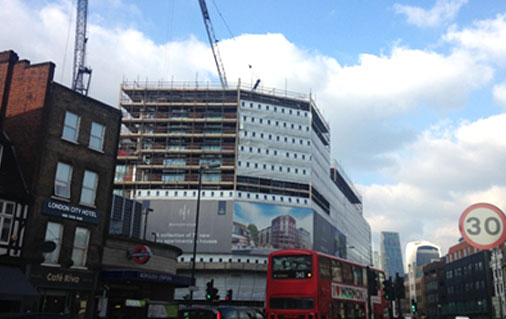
67	211
173	221
483	226
140	254
62	278
346	292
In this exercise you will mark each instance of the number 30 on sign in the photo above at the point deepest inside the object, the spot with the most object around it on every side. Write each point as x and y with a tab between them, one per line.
483	226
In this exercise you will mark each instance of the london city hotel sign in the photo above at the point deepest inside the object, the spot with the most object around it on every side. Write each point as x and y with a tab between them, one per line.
66	211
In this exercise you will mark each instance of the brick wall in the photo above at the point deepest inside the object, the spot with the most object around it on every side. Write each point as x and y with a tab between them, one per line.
25	98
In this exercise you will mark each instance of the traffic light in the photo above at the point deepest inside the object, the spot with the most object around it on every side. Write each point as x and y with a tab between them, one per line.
399	287
372	282
209	289
388	289
211	292
229	295
413	306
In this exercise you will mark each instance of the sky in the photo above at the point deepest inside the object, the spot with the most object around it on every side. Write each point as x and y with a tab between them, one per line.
414	91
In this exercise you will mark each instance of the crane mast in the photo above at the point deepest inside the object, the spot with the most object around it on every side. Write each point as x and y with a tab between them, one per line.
214	44
79	71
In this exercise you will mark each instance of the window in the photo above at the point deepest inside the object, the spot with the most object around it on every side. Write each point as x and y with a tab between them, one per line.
54	233
80	250
62	180
6	220
89	189
71	127
97	136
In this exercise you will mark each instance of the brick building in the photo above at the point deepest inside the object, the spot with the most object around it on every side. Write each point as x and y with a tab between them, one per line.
66	146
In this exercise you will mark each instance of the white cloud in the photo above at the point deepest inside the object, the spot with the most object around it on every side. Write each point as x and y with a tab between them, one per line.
442	11
486	39
499	93
448	170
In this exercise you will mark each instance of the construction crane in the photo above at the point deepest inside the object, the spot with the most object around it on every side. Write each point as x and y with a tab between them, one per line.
78	82
214	43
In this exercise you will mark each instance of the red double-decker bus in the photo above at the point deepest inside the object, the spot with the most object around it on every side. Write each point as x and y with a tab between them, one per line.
305	284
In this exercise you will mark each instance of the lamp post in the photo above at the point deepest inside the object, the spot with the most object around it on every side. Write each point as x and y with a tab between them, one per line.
202	168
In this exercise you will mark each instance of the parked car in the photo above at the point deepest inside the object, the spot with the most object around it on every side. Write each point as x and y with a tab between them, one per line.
220	312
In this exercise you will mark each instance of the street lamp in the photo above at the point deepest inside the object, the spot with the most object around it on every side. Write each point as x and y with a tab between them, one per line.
202	168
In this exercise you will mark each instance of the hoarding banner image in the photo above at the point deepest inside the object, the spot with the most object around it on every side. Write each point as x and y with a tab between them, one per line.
173	222
261	228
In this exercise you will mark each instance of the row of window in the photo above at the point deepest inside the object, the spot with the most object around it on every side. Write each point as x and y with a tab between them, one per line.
276	123
63	179
468	286
281	169
281	110
335	270
54	233
277	138
220	194
266	151
273	197
468	269
71	131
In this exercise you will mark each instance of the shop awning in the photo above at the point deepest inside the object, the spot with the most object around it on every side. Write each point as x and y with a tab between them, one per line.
15	286
128	274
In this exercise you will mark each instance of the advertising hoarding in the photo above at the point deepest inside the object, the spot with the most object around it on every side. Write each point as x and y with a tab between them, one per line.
173	222
240	227
261	228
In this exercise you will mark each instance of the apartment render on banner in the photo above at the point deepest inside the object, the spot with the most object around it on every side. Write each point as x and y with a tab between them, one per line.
274	188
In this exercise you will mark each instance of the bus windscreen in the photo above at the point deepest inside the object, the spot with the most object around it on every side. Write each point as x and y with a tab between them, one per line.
291	267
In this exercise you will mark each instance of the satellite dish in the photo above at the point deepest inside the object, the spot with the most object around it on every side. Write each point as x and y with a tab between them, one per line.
48	246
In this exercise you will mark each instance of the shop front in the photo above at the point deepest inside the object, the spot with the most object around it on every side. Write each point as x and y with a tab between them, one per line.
138	279
63	290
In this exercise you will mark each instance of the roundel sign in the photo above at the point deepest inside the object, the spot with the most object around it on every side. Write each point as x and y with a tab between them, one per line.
140	254
483	226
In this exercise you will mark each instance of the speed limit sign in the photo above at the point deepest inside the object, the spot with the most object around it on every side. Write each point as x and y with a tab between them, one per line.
483	226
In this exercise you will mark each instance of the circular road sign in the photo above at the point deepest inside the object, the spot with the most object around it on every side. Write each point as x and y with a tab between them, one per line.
483	226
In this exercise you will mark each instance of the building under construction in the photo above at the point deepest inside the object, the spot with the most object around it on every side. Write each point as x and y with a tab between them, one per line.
266	176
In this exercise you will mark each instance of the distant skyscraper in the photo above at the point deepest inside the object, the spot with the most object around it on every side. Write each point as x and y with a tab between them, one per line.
391	254
377	260
418	254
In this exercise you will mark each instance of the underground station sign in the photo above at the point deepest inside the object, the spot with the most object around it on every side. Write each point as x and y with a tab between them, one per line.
483	226
140	254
